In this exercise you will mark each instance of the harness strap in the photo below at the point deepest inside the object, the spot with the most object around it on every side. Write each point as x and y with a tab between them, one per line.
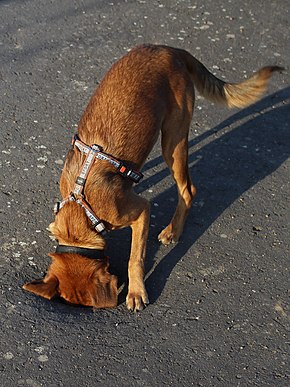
96	222
122	169
81	179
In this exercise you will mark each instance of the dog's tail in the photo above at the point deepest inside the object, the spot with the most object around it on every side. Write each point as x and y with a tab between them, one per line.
230	94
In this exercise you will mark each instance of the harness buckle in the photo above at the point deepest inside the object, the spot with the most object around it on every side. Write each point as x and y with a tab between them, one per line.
56	208
80	181
135	176
122	169
75	137
129	173
100	227
97	148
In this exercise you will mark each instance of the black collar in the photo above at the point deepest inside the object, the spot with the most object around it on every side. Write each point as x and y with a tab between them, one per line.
88	253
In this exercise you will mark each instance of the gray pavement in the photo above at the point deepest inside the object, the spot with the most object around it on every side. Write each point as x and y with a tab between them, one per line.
218	314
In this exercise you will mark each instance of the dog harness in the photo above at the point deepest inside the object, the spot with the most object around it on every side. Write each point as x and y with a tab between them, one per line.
93	153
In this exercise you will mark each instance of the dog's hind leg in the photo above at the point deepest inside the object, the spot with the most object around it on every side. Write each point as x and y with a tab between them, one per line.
175	152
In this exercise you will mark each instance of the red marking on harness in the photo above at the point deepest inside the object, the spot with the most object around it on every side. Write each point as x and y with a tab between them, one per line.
122	169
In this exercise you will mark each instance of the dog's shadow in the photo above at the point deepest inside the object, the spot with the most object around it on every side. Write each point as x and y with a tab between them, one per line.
227	160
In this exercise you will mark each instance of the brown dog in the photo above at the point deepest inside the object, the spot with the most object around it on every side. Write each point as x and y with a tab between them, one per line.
151	89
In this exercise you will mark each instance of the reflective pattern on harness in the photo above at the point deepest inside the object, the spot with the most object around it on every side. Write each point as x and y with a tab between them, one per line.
122	169
96	222
92	153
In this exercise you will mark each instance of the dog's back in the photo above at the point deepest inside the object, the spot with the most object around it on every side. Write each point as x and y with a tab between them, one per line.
130	105
128	108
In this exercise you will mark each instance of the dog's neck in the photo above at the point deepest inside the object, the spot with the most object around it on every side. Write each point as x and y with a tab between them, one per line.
98	242
72	228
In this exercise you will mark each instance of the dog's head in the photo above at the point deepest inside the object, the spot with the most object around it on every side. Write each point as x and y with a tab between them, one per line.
78	280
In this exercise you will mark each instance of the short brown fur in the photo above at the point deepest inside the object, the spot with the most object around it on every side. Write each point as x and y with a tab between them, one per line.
148	91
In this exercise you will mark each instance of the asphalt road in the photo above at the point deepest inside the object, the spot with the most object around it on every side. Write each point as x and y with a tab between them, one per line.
218	314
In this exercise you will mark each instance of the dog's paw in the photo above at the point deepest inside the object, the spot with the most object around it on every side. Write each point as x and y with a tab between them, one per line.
167	236
136	301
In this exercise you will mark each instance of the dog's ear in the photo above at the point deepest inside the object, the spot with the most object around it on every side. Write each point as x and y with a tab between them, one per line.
104	291
46	287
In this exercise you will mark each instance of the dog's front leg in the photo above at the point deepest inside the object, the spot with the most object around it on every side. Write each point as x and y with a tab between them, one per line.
137	296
